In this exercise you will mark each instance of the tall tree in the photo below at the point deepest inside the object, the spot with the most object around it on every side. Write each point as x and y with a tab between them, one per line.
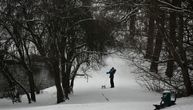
158	42
12	21
183	53
151	26
172	34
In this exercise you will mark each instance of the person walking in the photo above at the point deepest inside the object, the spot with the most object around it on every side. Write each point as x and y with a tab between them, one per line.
111	73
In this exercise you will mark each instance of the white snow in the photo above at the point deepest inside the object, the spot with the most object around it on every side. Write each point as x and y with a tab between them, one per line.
88	95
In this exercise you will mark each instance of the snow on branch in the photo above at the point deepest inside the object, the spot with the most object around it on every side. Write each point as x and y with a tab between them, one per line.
129	14
174	8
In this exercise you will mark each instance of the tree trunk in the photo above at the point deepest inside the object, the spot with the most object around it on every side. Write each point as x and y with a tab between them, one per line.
31	82
60	93
66	70
187	81
172	35
170	66
132	26
150	33
130	38
73	76
158	46
32	86
185	73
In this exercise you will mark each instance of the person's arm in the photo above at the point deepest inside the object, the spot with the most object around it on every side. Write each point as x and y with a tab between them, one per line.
109	72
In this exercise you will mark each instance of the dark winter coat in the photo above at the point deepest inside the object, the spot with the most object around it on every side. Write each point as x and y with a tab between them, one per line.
111	72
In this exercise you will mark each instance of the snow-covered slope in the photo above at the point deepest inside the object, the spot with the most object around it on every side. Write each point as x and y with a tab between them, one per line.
88	95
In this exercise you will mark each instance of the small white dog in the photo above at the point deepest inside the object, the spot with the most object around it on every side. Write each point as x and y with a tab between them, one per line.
103	87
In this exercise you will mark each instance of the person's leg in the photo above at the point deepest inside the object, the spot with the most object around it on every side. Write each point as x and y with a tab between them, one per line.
112	82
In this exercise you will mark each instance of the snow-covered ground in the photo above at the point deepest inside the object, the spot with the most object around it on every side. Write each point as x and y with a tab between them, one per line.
88	95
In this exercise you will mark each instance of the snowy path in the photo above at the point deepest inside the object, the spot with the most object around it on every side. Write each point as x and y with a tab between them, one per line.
126	89
88	95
